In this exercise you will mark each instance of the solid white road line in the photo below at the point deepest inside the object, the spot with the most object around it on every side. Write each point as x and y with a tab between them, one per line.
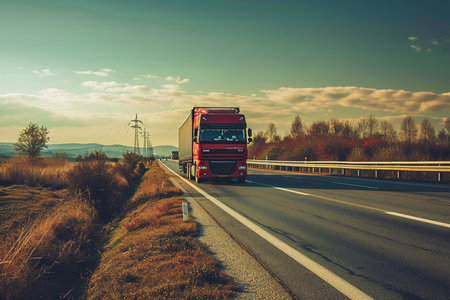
338	283
418	219
363	186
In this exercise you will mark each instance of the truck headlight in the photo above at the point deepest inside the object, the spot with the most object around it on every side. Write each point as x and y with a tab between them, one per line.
243	168
202	167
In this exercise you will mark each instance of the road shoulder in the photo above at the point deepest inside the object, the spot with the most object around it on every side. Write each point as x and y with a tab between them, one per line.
248	273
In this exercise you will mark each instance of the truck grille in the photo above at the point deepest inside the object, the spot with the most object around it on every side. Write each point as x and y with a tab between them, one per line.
222	167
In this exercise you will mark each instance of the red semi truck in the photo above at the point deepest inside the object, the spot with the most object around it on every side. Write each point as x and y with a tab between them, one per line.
212	143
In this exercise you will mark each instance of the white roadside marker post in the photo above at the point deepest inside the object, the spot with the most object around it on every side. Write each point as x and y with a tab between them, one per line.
185	207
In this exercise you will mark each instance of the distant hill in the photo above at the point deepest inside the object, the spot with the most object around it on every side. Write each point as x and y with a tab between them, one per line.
73	150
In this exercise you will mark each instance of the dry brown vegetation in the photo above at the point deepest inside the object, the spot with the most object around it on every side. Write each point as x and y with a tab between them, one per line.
36	172
47	246
366	140
152	253
51	231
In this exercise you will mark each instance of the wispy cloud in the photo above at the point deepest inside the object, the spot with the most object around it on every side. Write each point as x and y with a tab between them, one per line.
114	87
146	76
101	73
44	72
425	45
177	79
415	47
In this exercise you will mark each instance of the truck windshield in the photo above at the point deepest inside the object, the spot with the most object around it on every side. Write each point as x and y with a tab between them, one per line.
222	135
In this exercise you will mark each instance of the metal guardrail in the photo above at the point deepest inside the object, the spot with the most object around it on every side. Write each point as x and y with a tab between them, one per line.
398	167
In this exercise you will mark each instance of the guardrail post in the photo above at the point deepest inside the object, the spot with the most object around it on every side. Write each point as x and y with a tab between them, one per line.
439	177
358	172
376	173
398	174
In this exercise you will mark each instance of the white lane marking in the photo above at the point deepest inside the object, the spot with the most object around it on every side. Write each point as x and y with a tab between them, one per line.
318	196
292	191
332	279
418	219
358	185
360	205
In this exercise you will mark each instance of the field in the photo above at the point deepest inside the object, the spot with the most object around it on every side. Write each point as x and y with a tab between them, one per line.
99	230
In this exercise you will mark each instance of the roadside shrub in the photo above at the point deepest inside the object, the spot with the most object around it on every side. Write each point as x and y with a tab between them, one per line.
97	182
275	153
131	168
357	154
390	153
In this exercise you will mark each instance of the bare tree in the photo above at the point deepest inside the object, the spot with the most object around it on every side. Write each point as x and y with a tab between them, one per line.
296	127
372	125
367	126
336	127
447	125
272	133
408	130
427	132
388	131
31	140
319	129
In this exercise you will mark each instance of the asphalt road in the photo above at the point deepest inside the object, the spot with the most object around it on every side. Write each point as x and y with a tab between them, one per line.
388	240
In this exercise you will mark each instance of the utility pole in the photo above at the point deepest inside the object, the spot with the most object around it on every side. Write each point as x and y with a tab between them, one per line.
137	129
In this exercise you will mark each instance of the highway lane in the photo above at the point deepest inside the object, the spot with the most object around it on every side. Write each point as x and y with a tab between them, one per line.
342	224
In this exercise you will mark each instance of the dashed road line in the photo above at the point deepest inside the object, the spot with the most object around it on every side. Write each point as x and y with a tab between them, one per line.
419	219
332	279
423	220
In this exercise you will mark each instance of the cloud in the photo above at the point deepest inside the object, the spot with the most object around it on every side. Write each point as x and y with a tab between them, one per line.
177	79
425	45
417	48
164	108
102	73
44	72
146	76
316	99
113	86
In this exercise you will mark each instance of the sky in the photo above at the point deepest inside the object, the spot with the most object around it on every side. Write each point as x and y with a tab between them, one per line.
84	69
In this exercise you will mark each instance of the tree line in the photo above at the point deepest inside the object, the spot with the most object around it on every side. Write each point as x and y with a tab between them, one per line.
368	139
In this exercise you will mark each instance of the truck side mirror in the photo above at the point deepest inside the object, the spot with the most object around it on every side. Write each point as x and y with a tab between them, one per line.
250	132
250	140
194	138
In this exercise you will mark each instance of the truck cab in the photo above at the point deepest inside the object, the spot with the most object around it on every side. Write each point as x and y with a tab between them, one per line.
219	144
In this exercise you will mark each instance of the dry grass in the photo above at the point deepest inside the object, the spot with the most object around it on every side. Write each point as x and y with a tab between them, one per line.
152	253
154	185
51	256
20	205
47	172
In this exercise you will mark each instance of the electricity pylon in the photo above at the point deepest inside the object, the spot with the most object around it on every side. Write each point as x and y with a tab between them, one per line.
137	129
148	151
